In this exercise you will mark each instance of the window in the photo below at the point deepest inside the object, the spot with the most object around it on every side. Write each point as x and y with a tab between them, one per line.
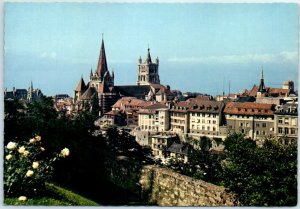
257	125
243	131
257	132
208	121
293	122
208	128
241	124
214	122
247	124
214	116
286	121
293	131
280	120
286	131
203	120
280	130
214	128
203	127
264	125
263	133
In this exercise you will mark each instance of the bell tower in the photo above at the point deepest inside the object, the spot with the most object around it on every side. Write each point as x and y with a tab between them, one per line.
148	71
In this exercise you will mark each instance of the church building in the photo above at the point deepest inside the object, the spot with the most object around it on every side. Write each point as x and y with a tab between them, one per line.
100	87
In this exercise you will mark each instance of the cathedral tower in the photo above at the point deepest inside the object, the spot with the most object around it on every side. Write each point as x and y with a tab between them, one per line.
148	71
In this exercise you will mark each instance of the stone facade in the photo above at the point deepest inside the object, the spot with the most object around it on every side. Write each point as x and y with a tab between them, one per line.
164	187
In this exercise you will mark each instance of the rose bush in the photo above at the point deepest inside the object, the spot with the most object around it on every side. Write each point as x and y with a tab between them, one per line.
26	168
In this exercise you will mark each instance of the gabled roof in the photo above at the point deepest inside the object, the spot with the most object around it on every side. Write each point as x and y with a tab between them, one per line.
81	85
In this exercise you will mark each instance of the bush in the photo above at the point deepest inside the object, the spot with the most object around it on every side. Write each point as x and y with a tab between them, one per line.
27	167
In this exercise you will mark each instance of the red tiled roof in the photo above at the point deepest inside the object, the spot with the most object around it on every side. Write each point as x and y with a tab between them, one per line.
249	108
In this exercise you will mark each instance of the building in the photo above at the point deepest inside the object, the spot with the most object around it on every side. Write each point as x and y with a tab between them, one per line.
206	118
100	87
153	118
29	95
111	118
129	107
180	151
270	95
160	144
179	117
148	71
255	120
286	123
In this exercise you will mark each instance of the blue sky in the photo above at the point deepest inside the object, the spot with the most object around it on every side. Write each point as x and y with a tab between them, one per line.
200	46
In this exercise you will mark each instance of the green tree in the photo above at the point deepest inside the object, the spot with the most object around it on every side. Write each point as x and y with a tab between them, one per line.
260	176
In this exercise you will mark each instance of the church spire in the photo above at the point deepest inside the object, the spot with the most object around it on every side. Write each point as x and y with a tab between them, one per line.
262	87
102	64
148	59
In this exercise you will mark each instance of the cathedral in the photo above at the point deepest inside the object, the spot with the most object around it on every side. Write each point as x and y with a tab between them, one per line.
100	87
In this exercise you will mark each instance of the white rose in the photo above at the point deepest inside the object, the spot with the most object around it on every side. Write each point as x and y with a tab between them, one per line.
11	145
26	153
32	141
22	198
21	149
35	165
65	152
29	173
8	157
38	138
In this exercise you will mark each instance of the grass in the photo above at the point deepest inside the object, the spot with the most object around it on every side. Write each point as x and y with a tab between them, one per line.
57	196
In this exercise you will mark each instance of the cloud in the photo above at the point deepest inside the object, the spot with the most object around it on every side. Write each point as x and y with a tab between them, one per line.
49	55
240	59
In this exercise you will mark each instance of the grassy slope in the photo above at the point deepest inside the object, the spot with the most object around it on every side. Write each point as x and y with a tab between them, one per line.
60	196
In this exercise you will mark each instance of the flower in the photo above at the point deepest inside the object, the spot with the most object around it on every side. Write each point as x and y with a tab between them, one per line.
11	145
29	173
26	153
32	141
35	165
42	149
65	152
22	198
21	149
8	157
38	138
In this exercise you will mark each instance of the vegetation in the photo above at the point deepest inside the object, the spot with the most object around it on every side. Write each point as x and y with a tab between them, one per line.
55	196
261	176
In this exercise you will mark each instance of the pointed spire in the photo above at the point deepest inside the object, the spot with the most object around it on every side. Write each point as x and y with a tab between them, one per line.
91	73
102	64
81	85
262	87
31	86
148	59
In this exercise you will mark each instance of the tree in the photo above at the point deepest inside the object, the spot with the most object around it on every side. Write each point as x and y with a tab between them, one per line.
260	176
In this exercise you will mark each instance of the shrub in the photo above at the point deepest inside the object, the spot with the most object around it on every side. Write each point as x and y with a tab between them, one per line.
27	166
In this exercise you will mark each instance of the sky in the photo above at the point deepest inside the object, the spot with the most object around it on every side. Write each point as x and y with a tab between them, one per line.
201	47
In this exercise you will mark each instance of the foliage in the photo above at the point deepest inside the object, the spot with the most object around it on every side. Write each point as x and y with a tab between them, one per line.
26	169
261	176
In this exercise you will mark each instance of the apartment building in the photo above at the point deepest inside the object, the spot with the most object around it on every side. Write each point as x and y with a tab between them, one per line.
179	116
153	118
255	120
160	143
286	123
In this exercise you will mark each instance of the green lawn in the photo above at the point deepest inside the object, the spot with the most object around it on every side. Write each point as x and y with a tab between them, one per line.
56	196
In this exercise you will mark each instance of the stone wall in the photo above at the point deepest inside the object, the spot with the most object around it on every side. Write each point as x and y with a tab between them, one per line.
165	187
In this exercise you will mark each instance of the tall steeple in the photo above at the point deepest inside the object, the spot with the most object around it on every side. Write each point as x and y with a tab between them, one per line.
102	64
262	87
148	59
